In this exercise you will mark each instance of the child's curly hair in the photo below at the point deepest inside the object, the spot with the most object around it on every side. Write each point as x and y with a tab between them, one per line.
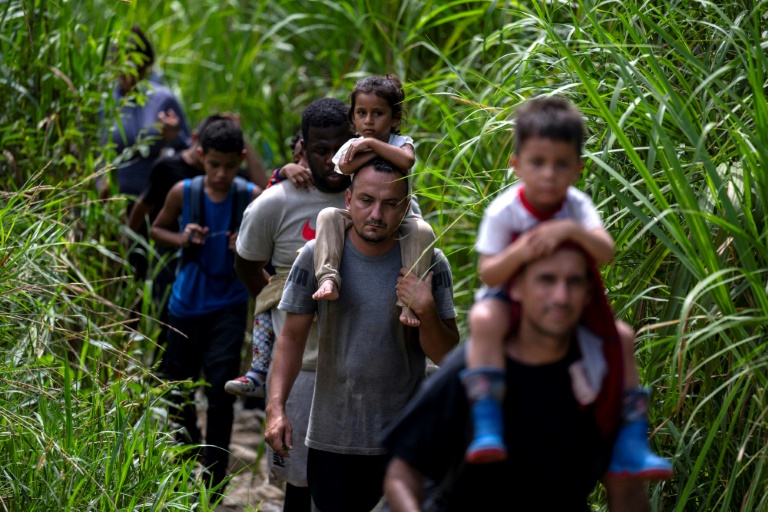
387	87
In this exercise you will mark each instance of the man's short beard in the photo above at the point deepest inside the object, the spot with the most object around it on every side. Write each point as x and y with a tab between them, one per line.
321	184
544	330
372	239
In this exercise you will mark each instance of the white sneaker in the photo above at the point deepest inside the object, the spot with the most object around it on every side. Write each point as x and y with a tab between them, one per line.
245	386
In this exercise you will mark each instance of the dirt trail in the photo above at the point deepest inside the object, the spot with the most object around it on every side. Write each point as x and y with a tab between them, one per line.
249	490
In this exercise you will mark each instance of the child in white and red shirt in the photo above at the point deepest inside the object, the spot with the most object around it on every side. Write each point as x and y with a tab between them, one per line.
526	222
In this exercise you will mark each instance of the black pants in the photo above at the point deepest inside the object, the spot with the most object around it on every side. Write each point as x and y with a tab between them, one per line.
164	274
212	344
345	483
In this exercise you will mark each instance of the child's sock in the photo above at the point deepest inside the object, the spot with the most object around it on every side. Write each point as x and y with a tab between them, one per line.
486	388
632	456
260	378
326	291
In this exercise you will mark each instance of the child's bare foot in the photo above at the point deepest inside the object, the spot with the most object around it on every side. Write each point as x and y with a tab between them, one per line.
408	318
327	291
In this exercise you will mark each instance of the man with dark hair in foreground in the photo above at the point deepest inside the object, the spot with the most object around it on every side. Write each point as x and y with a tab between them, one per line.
558	448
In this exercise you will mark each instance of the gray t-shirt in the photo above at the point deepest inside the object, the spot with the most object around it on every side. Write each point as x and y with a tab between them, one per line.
369	364
277	225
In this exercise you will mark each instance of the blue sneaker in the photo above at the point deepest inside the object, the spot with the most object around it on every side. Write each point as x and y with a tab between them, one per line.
488	443
632	456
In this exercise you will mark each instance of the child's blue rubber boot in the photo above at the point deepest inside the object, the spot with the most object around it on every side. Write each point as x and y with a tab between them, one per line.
486	389
632	456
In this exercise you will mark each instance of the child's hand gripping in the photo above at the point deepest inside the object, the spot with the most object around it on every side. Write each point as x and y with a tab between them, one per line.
542	240
300	176
356	147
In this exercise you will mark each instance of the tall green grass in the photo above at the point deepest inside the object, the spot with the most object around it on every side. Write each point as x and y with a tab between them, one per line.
674	94
83	420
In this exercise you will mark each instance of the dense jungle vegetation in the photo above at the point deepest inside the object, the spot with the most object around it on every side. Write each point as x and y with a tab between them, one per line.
674	94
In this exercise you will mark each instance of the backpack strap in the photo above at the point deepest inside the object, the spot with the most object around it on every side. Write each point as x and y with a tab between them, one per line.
194	203
197	200
240	201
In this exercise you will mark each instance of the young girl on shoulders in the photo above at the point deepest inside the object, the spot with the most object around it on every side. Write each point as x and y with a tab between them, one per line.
376	111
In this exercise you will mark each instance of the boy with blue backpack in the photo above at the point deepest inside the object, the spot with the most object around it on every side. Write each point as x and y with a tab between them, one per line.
208	303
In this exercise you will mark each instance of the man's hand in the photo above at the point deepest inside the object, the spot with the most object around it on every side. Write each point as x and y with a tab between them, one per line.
300	176
232	241
169	125
278	433
193	234
415	293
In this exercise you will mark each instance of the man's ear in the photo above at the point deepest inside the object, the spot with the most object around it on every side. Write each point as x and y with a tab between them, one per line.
513	160
348	197
242	155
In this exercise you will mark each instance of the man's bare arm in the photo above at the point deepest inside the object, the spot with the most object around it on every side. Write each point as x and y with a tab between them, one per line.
139	213
252	274
497	269
286	365
161	231
403	486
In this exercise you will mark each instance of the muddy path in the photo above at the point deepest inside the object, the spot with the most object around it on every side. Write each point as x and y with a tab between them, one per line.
249	489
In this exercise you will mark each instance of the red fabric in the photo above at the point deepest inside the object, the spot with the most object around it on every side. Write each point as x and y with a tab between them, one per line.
539	214
598	318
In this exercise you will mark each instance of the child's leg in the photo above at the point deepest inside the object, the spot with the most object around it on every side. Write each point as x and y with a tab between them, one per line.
632	456
252	384
332	225
417	241
484	378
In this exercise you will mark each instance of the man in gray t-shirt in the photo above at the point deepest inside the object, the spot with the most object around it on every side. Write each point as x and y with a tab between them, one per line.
275	227
369	364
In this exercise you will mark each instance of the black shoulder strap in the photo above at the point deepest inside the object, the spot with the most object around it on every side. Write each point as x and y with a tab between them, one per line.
197	200
240	201
196	215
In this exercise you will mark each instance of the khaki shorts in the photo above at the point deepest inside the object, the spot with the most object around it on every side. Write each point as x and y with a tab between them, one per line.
293	470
